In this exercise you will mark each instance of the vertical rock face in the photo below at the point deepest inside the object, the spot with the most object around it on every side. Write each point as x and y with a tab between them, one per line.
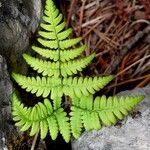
19	20
6	129
131	134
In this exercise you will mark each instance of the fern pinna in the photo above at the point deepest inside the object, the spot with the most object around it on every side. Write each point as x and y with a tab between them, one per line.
58	67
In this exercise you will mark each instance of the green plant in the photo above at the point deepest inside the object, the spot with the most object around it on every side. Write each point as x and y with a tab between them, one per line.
58	66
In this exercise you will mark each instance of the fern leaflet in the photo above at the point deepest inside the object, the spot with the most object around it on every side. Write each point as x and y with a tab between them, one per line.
65	55
53	69
77	86
42	117
92	114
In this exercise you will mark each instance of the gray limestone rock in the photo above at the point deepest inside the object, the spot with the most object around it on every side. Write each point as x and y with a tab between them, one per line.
133	133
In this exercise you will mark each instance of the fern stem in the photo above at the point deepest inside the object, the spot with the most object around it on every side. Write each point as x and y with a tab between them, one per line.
34	141
57	39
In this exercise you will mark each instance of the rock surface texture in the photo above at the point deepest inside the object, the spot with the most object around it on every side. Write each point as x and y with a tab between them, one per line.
131	134
19	20
6	128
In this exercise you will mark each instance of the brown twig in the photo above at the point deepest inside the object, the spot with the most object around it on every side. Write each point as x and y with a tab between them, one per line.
93	21
144	82
128	81
34	141
118	40
73	2
135	63
81	16
127	46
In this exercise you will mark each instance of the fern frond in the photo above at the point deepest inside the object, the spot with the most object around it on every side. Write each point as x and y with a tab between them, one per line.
63	124
41	118
62	44
60	27
41	86
62	120
57	37
65	55
102	111
84	86
57	86
49	116
69	43
47	27
52	15
54	19
64	34
48	43
48	35
53	68
76	121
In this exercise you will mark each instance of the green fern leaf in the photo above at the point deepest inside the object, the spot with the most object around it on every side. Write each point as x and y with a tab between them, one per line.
48	43
57	103
101	111
76	122
62	119
43	128
48	35
63	124
53	127
49	116
65	55
40	86
47	27
26	126
64	34
60	27
35	128
84	86
42	118
77	86
69	43
53	69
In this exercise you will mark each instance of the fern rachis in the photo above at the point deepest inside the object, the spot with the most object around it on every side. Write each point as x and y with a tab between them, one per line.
58	79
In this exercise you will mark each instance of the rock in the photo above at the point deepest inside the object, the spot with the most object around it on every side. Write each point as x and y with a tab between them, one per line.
10	136
6	128
19	20
133	133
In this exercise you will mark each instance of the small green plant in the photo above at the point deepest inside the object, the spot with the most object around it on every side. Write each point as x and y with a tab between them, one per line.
58	86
